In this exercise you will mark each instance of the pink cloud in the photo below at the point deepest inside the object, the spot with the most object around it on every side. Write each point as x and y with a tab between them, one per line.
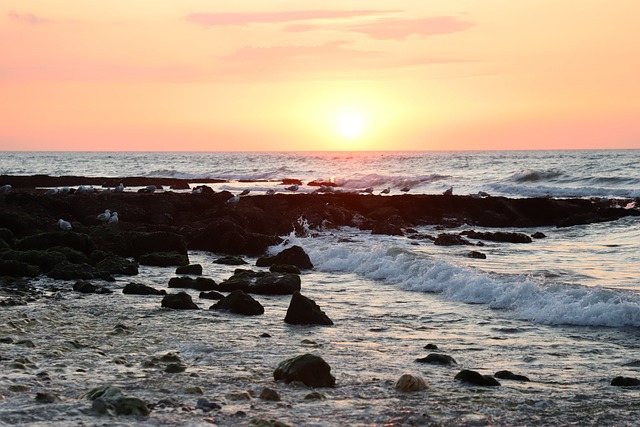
240	18
280	53
400	29
27	18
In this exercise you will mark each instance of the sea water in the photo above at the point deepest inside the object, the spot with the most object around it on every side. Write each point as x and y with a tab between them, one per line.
563	310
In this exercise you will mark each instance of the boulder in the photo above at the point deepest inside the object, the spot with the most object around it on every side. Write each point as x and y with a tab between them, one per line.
386	228
199	283
141	289
164	259
446	239
115	264
475	378
85	287
111	400
438	359
242	279
284	268
179	301
304	311
69	271
225	235
239	302
294	255
44	260
211	295
538	235
158	241
499	236
308	369
625	382
508	375
410	383
17	269
276	284
476	255
71	239
72	255
230	260
194	269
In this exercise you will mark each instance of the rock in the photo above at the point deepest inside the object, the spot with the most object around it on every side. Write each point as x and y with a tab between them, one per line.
294	255
445	239
500	236
68	271
508	375
473	377
8	237
276	284
259	422
199	283
315	395
158	241
164	259
72	255
269	394
284	268
211	295
438	359
17	269
230	260
85	287
115	264
386	228
47	397
538	235
224	235
239	302
625	382
141	289
476	255
409	383
194	269
125	405
430	347
304	311
44	260
242	279
179	301
308	369
43	241
175	368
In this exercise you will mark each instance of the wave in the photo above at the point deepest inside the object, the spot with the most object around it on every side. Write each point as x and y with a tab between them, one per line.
526	298
530	175
568	192
377	180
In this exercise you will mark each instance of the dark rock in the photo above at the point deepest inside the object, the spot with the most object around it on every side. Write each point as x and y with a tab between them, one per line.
8	237
68	271
304	311
239	302
269	394
194	269
224	235
241	280
386	228
72	255
47	397
294	255
17	269
199	283
115	264
276	284
430	347
159	241
445	239
410	383
179	301
175	368
308	369
44	260
284	268
43	241
508	375
85	287
230	260
265	335
141	289
499	236
625	382
473	377
476	255
164	259
439	359
211	295
538	235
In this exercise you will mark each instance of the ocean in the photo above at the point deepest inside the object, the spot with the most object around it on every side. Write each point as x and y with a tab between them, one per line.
563	310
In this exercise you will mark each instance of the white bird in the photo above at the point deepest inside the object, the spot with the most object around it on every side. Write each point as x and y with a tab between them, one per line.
294	187
52	191
405	189
114	218
150	189
271	192
483	194
448	191
386	191
368	190
85	189
64	225
234	199
119	188
65	190
245	192
104	216
630	205
197	190
5	188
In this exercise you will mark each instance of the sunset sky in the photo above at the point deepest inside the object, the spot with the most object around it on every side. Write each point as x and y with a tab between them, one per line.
319	75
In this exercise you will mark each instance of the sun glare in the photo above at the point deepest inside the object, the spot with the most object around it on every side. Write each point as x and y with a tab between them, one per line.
350	124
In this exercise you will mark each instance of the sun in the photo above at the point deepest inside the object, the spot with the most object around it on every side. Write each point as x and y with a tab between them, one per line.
350	123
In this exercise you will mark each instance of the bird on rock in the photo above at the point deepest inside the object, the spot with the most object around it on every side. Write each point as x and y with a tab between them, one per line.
64	225
114	218
293	187
235	199
104	216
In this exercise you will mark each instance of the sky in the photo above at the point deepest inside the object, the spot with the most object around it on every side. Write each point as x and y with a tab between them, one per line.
202	75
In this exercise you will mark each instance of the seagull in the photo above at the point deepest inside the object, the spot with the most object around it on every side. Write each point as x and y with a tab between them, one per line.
119	188
386	191
52	191
85	189
104	216
405	189
114	218
65	190
483	194
234	199
448	191
64	225
245	192
5	189
271	192
294	187
150	189
197	190
368	190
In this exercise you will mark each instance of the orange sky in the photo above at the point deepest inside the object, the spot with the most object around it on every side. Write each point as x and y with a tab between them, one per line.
282	75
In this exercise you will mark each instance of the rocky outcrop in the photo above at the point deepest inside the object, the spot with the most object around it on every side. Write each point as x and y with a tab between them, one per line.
508	375
179	301
294	255
304	311
193	269
239	302
438	359
164	259
499	236
475	378
141	289
308	369
199	283
446	239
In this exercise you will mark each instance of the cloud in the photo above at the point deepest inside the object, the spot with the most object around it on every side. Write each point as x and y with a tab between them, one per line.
400	29
27	18
240	18
280	53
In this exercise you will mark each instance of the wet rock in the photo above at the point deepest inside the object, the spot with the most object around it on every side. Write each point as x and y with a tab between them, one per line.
18	388
44	260
269	394
179	301
538	235
409	383
239	302
475	378
69	271
500	236
115	264
47	397
430	347
386	228
259	422
438	359
242	279
315	395
85	287
508	375
159	241
193	390
72	255
276	284
164	259
284	268
308	369
225	235
8	237
18	269
199	283
304	311
238	396
126	405
43	241
141	289
206	405
211	295
230	260
294	255
476	255
175	368
194	269
625	382
445	239
25	343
